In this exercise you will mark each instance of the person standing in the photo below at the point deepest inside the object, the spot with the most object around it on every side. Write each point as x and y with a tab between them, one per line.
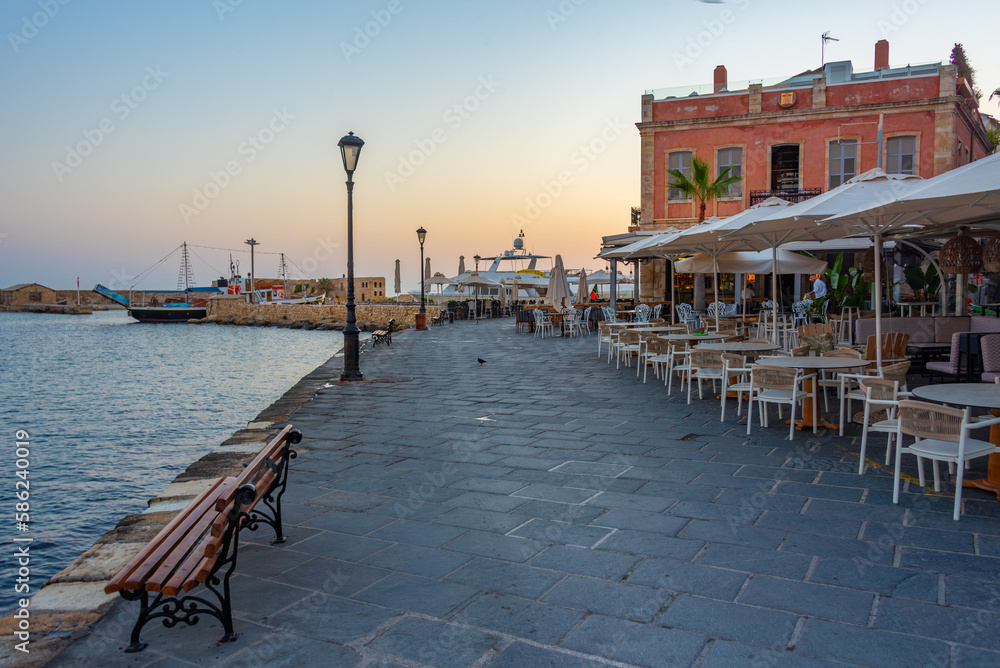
819	289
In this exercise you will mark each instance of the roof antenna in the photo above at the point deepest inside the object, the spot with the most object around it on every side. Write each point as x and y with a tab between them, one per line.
822	52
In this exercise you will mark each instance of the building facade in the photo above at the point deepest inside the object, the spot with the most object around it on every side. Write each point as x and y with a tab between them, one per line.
806	134
798	137
26	294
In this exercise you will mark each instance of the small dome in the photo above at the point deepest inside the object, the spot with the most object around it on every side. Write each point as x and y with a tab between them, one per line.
519	243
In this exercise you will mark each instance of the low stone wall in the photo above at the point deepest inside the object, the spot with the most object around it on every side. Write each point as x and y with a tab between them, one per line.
368	315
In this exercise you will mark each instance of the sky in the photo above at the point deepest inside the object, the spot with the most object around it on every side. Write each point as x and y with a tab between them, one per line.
131	127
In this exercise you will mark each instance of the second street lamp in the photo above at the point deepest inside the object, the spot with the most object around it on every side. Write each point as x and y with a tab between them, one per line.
421	320
350	150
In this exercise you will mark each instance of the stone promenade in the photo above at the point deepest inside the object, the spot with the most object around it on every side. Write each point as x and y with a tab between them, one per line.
547	509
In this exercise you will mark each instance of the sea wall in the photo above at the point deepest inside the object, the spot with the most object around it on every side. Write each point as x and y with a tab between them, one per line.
74	600
368	315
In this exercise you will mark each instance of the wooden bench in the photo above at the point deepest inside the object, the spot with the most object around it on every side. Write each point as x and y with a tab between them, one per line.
384	335
199	546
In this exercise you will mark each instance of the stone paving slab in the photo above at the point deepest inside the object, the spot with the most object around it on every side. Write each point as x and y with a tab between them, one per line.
548	509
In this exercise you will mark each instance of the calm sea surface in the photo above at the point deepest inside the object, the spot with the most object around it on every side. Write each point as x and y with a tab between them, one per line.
116	409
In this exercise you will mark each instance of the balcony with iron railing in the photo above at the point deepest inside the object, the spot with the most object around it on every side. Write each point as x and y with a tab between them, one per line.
792	195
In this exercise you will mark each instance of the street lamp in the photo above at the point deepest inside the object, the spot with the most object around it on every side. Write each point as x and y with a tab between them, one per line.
253	284
421	235
350	150
476	259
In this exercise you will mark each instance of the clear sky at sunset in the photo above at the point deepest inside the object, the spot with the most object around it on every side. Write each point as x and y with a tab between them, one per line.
129	127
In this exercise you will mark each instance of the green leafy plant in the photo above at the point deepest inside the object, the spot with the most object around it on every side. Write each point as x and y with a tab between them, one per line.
844	288
924	281
700	186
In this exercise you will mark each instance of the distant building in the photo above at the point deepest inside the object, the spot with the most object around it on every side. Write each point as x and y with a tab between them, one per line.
24	294
366	288
803	135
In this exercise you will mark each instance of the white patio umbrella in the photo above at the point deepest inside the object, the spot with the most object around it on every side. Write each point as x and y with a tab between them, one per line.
813	219
439	280
427	267
461	265
582	289
399	282
967	195
559	294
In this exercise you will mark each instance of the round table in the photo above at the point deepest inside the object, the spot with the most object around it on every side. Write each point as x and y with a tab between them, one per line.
976	395
740	347
808	365
708	336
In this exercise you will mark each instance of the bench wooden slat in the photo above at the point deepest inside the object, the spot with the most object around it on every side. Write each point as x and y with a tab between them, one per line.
270	451
190	573
190	543
132	574
262	485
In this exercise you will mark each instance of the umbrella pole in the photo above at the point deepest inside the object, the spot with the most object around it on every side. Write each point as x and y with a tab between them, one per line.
715	285
673	293
774	294
878	301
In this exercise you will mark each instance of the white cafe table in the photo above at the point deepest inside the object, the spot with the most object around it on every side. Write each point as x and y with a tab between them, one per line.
810	365
976	395
707	336
749	349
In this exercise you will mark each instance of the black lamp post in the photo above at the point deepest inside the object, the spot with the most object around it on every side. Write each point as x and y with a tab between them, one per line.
476	259
350	150
421	235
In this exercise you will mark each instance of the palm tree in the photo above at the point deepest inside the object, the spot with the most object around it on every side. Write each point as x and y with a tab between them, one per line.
701	186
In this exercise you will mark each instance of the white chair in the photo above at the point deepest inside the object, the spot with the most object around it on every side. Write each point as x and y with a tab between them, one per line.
942	434
572	322
628	344
705	365
606	334
880	395
656	311
642	312
658	354
799	313
735	378
586	320
609	314
679	365
543	324
685	314
851	391
782	386
830	379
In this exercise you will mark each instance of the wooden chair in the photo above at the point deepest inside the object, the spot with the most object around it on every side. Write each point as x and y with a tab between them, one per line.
942	434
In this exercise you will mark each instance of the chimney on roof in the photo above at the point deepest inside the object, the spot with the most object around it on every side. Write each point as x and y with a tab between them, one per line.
721	79
882	54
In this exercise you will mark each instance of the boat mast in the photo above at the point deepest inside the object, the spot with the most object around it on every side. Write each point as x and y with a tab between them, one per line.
283	272
186	276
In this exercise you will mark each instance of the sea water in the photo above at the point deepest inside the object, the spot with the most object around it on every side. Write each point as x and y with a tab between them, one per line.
112	410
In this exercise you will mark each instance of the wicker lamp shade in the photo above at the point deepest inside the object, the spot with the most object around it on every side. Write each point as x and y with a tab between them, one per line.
961	255
868	265
991	254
